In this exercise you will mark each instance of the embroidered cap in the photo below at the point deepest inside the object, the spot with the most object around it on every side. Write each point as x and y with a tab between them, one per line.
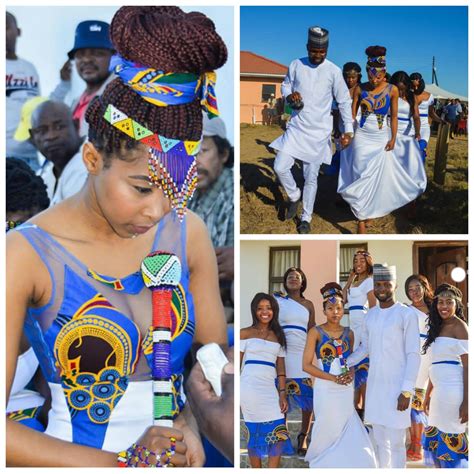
385	272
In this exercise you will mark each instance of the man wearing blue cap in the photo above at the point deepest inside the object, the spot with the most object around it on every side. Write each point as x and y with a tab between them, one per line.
91	52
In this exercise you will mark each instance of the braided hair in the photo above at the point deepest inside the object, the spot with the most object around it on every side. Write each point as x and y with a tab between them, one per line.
167	39
274	324
24	190
435	321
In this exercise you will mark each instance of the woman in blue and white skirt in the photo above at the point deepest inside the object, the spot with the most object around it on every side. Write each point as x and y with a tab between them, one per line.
262	356
446	401
296	316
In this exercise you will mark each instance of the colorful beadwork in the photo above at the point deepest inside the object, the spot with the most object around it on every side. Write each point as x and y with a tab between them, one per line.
161	273
338	344
172	163
139	456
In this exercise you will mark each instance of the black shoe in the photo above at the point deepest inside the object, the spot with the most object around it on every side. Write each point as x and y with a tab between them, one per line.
303	227
292	210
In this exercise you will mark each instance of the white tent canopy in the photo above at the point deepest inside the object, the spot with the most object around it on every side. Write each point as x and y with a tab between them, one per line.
439	93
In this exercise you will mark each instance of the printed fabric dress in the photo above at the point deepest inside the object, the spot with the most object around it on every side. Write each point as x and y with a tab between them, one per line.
358	307
294	318
374	182
266	432
93	341
417	413
445	441
339	438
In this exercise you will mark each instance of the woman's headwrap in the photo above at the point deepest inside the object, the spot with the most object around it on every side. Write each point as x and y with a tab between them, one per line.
331	295
172	162
376	64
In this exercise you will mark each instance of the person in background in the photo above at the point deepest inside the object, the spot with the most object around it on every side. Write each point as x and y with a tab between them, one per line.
213	200
25	197
22	83
451	111
91	53
55	136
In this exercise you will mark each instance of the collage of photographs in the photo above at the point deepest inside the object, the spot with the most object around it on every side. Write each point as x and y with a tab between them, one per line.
302	304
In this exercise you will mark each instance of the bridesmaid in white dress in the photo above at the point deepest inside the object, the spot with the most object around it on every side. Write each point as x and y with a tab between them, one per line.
420	294
445	442
359	295
262	356
425	102
297	318
408	149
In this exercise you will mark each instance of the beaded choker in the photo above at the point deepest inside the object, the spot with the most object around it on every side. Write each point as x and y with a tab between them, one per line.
172	163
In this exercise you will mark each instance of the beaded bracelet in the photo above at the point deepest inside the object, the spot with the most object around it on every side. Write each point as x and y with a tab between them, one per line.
138	456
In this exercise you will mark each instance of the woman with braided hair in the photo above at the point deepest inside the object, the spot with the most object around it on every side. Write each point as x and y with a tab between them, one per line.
91	331
445	441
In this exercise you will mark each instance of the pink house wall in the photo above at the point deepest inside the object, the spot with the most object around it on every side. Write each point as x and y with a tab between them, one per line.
251	97
320	263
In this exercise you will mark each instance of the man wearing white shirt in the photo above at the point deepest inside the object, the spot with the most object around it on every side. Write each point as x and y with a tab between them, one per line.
310	86
392	342
55	135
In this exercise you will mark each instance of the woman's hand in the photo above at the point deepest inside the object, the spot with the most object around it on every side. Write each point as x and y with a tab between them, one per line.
417	137
283	402
463	412
352	275
158	439
187	424
390	145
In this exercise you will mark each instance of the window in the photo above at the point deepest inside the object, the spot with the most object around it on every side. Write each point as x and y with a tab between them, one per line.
281	258
346	256
267	91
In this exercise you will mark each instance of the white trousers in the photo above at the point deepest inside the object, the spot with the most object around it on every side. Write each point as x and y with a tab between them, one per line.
390	446
283	164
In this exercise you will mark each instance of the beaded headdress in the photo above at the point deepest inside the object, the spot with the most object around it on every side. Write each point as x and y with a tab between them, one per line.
172	162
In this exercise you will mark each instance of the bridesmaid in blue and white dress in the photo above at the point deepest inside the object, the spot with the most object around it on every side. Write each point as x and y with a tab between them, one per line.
378	183
297	318
262	356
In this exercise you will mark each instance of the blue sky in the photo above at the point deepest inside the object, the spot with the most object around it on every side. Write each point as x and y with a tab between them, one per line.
412	36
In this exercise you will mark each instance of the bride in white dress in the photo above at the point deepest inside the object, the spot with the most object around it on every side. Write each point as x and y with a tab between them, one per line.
377	182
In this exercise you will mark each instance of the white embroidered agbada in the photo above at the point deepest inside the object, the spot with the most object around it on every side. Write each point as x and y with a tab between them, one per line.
308	136
392	342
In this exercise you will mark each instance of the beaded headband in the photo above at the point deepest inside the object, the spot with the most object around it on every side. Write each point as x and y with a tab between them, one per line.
362	252
331	295
172	163
163	89
448	294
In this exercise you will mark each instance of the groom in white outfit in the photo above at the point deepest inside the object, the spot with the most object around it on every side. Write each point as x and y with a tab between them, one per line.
310	86
392	342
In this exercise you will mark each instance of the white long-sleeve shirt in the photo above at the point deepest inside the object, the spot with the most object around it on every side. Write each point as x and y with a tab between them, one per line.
309	129
391	340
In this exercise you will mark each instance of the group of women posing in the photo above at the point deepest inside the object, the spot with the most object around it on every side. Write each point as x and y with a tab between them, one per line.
383	169
287	360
